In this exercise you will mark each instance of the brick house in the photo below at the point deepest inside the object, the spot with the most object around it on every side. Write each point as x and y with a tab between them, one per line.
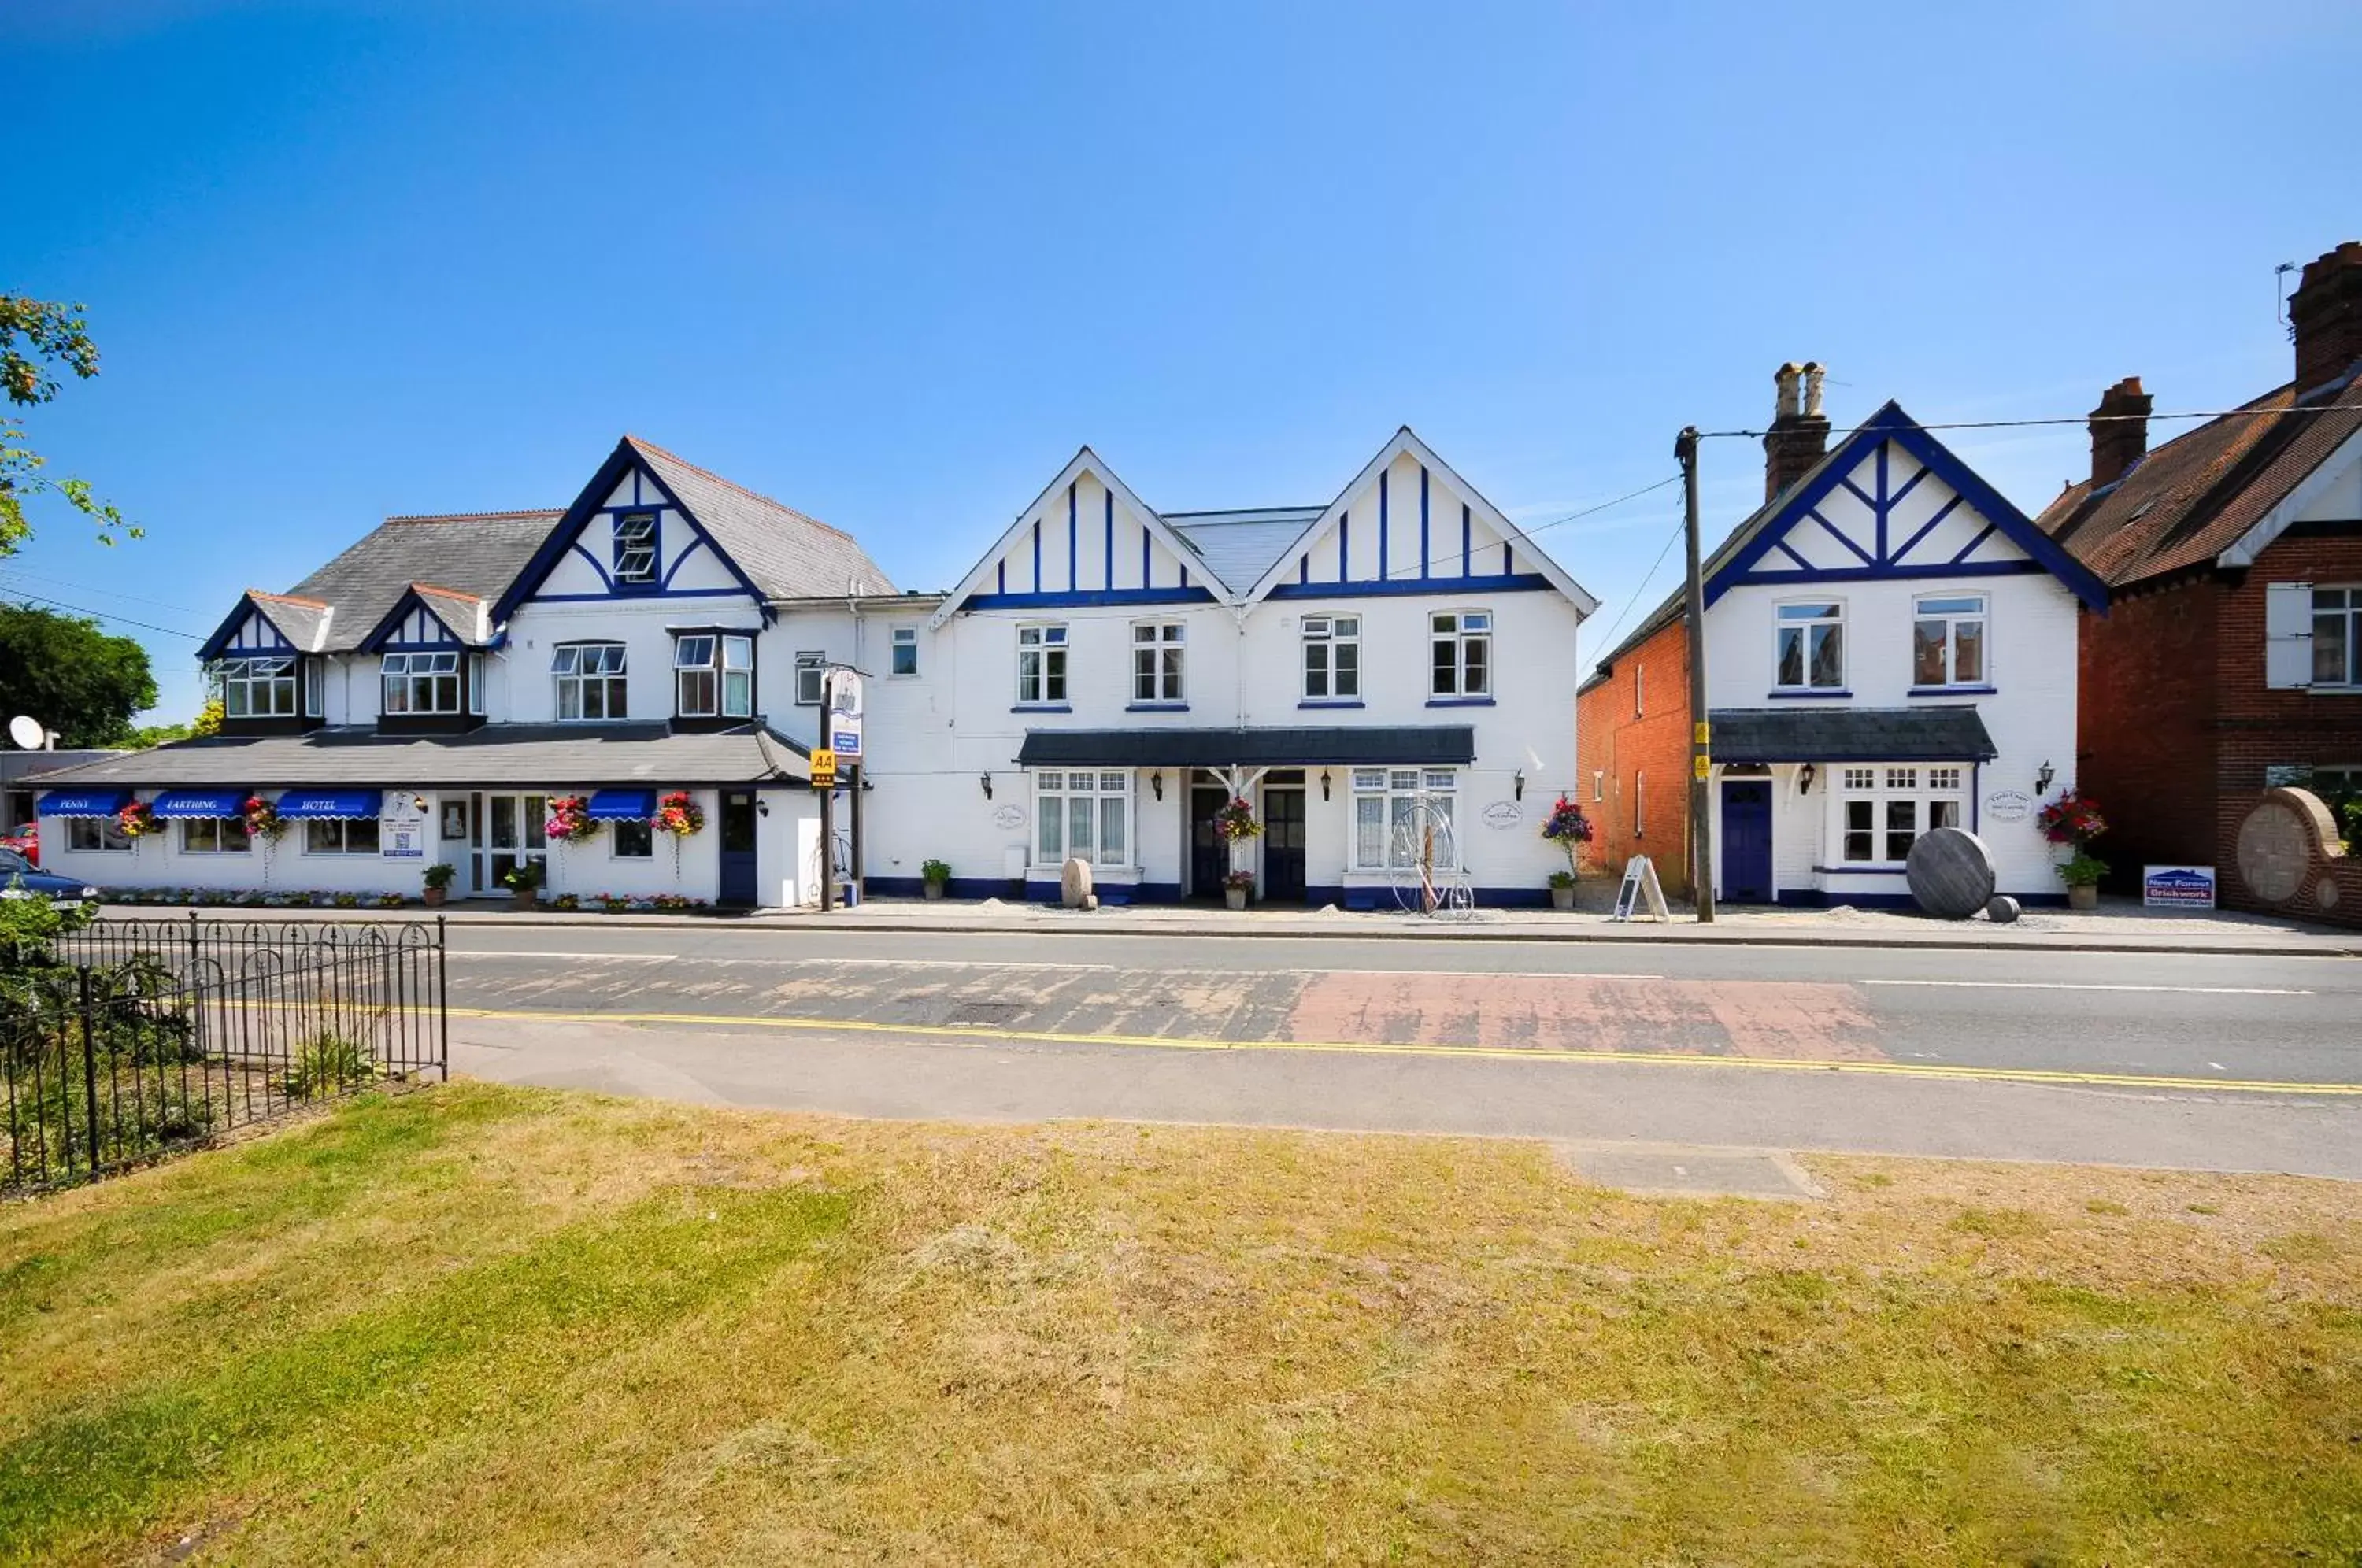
2230	659
1890	649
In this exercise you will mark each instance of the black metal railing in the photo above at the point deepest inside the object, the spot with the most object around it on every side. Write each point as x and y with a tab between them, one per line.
126	1039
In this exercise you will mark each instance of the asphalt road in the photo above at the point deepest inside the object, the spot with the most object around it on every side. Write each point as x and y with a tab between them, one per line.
2224	1062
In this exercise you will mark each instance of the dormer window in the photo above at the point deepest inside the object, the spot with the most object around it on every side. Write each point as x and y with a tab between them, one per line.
589	680
635	548
257	688
714	674
421	684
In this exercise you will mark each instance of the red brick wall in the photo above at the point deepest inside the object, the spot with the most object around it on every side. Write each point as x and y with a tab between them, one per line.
2145	711
2331	889
1654	746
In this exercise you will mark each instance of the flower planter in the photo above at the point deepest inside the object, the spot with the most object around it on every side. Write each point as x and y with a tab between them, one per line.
434	897
527	897
934	889
1562	898
1235	897
2083	896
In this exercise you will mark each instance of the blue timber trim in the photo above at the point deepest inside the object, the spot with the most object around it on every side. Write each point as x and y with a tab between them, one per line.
1037	555
1932	524
1960	557
1074	553
1810	693
1147	560
1467	537
381	638
1460	701
1089	597
674	593
1042	708
1425	553
1386	524
1891	424
1528	583
1953	691
226	633
1889	573
1000	575
1815	898
678	562
622	463
1382	897
1157	707
1344	547
1304	569
1332	703
1107	552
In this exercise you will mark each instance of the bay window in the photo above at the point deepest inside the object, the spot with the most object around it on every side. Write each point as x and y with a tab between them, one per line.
1809	647
1948	640
1041	665
1384	802
215	835
1884	810
1156	661
1085	814
260	687
1332	659
591	680
713	675
1460	645
420	683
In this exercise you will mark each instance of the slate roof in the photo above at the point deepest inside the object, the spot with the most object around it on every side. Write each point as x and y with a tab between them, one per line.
301	620
462	614
510	757
1949	733
2191	499
473	552
1437	746
1238	547
784	553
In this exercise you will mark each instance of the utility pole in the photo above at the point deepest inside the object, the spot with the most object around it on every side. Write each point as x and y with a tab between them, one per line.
1701	844
827	804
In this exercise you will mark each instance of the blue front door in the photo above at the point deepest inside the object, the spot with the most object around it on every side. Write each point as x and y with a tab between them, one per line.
1747	840
737	849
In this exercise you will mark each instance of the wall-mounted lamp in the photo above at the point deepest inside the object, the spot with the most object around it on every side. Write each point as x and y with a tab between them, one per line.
2042	779
1324	783
985	779
1156	783
1805	776
1519	783
762	807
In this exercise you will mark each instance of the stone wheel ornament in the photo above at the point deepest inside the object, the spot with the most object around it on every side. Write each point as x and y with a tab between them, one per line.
1424	861
2286	833
1950	872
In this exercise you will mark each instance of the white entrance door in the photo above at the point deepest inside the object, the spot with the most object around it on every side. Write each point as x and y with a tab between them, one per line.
508	831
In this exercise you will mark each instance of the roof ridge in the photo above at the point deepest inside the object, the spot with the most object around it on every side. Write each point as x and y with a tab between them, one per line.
289	599
703	472
450	592
473	516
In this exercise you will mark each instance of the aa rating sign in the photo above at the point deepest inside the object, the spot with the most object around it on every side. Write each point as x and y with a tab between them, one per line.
824	768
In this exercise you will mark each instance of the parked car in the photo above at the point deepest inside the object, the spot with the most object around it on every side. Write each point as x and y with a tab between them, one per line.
20	878
26	841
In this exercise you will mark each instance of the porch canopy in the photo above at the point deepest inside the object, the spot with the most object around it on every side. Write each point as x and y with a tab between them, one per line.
200	803
622	806
1953	733
83	802
297	805
1427	745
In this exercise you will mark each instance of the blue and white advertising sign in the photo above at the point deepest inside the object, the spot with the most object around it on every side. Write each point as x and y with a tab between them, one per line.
2177	886
844	715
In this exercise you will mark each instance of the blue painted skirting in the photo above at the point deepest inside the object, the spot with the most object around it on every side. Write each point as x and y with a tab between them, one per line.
1814	899
1516	583
1115	895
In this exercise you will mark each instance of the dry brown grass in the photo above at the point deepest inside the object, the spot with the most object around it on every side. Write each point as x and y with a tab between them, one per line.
503	1326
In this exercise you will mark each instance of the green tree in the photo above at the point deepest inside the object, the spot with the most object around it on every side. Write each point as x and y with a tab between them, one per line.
72	677
36	336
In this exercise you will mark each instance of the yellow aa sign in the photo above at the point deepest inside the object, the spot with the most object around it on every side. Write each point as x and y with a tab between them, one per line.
824	768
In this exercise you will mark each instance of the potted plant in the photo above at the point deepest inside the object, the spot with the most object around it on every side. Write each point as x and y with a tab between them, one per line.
1567	827
1236	887
525	883
2082	876
937	874
438	884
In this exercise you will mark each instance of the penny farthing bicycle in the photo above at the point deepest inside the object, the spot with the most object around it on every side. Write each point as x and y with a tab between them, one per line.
1424	860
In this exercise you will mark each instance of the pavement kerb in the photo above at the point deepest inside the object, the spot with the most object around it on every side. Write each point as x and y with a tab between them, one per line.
2326	946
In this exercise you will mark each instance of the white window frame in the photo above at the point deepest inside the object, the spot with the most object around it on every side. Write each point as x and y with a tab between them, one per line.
476	685
1331	665
271	676
612	676
343	829
1160	663
811	674
213	835
1392	792
713	675
642	840
1060	807
109	838
2347	619
637	549
1041	665
1952	620
1782	622
903	640
1899	798
404	678
1467	632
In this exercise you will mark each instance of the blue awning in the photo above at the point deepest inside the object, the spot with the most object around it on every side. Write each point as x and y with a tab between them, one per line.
199	803
83	802
623	805
296	804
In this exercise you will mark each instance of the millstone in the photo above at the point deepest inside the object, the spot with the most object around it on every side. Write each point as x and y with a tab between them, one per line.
1075	889
1950	872
2001	908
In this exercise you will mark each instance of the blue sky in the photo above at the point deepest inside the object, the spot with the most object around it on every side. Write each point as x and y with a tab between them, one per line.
893	264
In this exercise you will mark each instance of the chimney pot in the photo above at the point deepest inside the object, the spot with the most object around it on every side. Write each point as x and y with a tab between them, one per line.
1800	432
2325	317
2119	428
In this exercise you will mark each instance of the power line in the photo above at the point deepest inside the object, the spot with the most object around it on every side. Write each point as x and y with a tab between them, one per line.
95	588
1636	594
104	615
1518	535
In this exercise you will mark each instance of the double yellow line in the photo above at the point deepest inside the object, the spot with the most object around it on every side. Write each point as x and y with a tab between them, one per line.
984	1034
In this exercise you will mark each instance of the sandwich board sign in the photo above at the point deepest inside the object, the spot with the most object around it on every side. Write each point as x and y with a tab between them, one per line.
1640	883
2177	886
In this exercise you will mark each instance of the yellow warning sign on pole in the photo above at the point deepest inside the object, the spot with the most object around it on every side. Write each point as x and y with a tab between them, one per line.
1704	732
1702	767
824	768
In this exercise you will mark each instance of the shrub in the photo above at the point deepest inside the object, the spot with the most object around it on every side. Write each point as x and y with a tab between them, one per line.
936	871
325	1063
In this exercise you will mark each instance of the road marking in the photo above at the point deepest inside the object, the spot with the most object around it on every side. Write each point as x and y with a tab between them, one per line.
584	957
1053	963
988	1035
2087	986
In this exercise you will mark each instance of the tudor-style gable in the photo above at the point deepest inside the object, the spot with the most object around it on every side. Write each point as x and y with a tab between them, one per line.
1087	540
1409	524
627	536
1891	503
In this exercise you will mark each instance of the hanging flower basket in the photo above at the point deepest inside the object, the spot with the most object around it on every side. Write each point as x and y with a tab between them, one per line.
262	819
679	815
2072	819
1237	820
571	821
137	820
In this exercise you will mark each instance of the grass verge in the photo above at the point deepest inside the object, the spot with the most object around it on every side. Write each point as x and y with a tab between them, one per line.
509	1325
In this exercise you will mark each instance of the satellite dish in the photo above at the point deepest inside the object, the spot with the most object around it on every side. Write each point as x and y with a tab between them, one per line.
26	731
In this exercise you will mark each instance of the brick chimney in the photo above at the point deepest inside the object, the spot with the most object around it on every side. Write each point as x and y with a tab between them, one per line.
1799	436
2325	317
2119	429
